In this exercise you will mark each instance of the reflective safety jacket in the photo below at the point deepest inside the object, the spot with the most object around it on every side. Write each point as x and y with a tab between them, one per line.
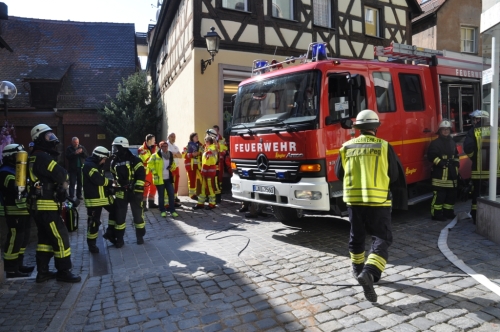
94	183
443	154
192	163
156	167
222	145
145	153
209	161
43	170
129	172
477	147
367	165
10	194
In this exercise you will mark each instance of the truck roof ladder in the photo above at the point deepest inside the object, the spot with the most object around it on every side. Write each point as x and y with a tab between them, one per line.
406	52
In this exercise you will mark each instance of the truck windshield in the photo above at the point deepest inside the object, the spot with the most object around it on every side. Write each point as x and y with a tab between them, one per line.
289	98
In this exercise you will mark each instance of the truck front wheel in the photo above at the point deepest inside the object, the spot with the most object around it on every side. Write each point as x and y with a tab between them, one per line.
285	214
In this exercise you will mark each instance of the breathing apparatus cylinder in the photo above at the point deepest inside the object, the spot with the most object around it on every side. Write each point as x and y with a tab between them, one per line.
21	168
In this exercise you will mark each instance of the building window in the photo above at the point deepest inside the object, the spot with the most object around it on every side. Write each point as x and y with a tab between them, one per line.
468	40
372	22
283	9
235	4
322	13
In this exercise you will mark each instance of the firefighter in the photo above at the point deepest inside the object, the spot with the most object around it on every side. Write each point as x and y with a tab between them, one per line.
368	165
208	175
476	143
443	155
192	161
129	175
16	214
162	166
146	150
223	154
97	194
47	190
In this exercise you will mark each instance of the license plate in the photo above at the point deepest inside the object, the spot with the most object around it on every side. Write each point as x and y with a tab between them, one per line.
263	189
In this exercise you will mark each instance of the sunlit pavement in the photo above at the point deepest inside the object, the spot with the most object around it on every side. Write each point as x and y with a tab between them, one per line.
192	275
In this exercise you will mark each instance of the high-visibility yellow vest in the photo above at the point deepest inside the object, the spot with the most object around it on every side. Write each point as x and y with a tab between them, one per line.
366	179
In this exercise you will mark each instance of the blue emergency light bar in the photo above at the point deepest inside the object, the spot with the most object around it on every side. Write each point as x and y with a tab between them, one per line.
318	51
261	66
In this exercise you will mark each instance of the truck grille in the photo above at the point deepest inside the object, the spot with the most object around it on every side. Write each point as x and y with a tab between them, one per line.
287	170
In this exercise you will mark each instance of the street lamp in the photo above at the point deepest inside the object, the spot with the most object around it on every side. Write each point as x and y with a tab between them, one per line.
213	40
8	92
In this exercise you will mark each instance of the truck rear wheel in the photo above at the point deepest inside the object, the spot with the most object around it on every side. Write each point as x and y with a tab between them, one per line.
285	214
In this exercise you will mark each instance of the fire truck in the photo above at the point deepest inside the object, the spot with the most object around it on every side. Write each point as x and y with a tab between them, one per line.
289	121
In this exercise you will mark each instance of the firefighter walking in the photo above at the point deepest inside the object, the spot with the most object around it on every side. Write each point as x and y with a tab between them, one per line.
16	212
146	150
95	186
477	148
443	155
48	186
129	174
208	175
368	165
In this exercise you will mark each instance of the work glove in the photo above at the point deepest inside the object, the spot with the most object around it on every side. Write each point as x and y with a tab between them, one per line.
60	194
443	163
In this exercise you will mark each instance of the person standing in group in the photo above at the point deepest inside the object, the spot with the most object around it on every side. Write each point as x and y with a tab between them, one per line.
192	161
95	186
175	172
47	190
477	148
223	151
129	174
161	165
146	150
16	215
443	155
368	165
76	154
208	175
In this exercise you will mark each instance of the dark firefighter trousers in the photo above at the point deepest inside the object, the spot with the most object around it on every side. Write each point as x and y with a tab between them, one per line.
121	203
53	241
377	221
478	187
94	221
443	202
17	239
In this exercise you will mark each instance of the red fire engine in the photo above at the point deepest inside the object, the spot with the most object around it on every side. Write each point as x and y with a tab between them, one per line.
289	123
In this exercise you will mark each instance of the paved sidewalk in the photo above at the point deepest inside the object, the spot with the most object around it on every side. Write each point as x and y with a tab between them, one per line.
288	278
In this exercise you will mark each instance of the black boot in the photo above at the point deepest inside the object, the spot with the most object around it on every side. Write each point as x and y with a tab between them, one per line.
22	267
139	233
92	246
218	198
44	273
16	274
439	216
110	236
365	279
152	205
67	276
449	214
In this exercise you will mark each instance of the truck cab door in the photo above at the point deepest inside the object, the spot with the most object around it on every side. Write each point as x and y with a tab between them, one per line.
418	118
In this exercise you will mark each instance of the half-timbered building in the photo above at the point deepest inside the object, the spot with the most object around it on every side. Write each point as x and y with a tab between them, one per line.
193	101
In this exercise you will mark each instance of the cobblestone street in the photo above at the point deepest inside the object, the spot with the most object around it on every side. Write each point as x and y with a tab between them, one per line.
217	271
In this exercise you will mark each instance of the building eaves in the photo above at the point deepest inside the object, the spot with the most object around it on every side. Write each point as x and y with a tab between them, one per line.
429	8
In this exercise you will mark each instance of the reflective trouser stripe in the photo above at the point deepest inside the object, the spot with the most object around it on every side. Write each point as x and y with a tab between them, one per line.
44	248
9	254
377	261
358	258
61	253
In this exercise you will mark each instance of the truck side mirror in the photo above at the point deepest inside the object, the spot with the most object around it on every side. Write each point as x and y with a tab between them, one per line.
346	123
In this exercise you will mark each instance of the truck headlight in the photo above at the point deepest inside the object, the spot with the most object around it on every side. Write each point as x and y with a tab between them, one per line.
235	187
308	194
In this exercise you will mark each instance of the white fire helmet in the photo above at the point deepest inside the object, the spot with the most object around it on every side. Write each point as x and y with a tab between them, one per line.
39	129
367	120
445	123
11	149
101	152
480	114
122	141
